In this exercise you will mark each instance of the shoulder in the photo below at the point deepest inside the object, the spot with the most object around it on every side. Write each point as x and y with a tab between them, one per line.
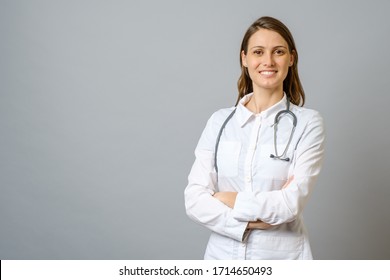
222	113
310	121
310	125
219	116
213	126
306	115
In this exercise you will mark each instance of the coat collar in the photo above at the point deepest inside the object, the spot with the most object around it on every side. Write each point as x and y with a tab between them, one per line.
244	115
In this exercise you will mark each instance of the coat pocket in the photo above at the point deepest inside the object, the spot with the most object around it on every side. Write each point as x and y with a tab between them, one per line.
273	168
277	247
227	158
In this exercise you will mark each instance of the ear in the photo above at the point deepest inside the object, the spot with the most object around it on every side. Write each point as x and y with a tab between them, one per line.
292	58
243	59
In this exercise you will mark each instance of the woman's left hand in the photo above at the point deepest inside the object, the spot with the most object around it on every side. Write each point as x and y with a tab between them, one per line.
228	198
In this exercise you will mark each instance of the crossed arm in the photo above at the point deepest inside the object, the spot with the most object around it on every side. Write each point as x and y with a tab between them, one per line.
229	199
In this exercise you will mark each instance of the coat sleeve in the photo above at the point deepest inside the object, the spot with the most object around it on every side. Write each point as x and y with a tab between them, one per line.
283	206
200	204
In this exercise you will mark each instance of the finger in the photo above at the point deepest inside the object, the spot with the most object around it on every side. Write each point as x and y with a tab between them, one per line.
289	180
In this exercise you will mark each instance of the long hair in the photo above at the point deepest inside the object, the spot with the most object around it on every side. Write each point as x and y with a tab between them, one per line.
291	84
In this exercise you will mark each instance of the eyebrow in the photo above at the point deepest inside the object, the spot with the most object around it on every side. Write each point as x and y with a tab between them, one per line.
272	47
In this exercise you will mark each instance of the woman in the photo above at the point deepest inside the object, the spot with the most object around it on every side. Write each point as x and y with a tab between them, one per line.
254	170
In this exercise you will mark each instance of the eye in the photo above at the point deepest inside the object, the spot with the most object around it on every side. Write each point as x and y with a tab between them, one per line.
258	52
279	52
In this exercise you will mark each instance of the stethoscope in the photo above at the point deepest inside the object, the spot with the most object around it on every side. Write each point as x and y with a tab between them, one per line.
278	116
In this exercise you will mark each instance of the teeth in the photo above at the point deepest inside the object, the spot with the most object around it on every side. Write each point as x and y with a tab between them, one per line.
267	72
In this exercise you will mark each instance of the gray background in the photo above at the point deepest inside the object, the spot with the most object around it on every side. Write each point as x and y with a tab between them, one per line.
103	102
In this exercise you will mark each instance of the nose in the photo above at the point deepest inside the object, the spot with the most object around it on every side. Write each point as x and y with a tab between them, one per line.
268	59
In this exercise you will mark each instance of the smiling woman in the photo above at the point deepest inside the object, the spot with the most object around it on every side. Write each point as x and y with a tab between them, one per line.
250	196
267	60
257	40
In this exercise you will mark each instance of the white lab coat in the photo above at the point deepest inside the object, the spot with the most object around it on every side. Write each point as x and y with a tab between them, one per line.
245	166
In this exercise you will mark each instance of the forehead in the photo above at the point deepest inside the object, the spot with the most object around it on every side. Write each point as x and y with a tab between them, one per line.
266	38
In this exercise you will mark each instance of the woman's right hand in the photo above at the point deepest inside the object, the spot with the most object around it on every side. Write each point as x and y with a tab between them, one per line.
258	225
288	182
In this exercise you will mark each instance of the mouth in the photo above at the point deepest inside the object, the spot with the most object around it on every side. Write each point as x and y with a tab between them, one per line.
268	73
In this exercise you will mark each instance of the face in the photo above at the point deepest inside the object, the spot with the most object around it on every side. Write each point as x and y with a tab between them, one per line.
268	59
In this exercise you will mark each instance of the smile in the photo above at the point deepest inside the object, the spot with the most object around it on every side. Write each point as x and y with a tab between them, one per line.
268	73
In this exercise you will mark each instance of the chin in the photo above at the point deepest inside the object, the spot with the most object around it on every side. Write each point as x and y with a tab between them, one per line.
269	86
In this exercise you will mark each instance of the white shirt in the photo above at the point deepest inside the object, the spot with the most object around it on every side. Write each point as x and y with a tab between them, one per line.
245	166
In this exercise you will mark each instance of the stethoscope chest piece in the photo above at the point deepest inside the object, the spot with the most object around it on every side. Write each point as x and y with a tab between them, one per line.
278	117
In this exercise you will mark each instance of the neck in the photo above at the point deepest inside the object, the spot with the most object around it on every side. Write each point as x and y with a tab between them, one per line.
261	100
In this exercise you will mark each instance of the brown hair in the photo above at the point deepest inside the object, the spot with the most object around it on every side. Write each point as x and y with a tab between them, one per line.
291	84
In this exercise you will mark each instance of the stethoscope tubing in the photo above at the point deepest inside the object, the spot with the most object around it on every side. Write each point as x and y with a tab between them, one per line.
278	116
